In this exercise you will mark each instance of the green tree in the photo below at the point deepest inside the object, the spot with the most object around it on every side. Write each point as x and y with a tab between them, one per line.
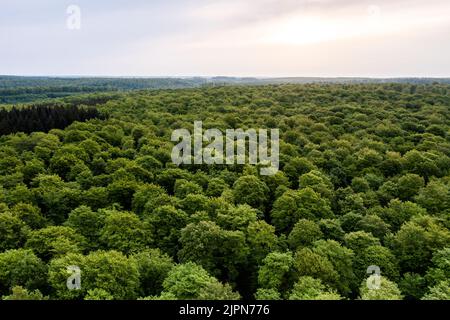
215	187
412	285
399	212
276	271
441	291
87	223
20	293
358	241
148	197
434	197
153	266
440	271
376	255
295	205
29	214
409	185
219	251
360	184
55	197
421	163
61	164
167	178
349	221
20	267
331	229
183	187
109	271
267	294
189	281
261	240
296	167
31	169
12	231
308	288
342	260
387	290
309	263
121	192
252	191
304	233
54	241
236	218
415	242
373	224
193	203
125	232
95	198
317	181
98	294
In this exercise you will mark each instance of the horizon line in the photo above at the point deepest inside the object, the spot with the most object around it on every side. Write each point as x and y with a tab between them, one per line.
222	76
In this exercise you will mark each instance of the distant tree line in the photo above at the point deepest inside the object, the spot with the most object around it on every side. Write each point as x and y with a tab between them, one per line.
43	118
27	89
16	89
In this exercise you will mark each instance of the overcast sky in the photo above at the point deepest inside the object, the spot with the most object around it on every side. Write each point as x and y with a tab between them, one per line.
378	38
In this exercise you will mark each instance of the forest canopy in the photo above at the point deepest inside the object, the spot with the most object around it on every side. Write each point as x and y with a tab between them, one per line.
43	118
364	180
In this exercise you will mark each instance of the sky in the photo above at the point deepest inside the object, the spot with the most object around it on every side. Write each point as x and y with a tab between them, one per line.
262	38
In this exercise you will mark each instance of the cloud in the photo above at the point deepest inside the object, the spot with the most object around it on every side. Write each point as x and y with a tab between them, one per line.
231	37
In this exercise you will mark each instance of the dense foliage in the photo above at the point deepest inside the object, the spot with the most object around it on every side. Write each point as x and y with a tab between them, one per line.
364	180
43	118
